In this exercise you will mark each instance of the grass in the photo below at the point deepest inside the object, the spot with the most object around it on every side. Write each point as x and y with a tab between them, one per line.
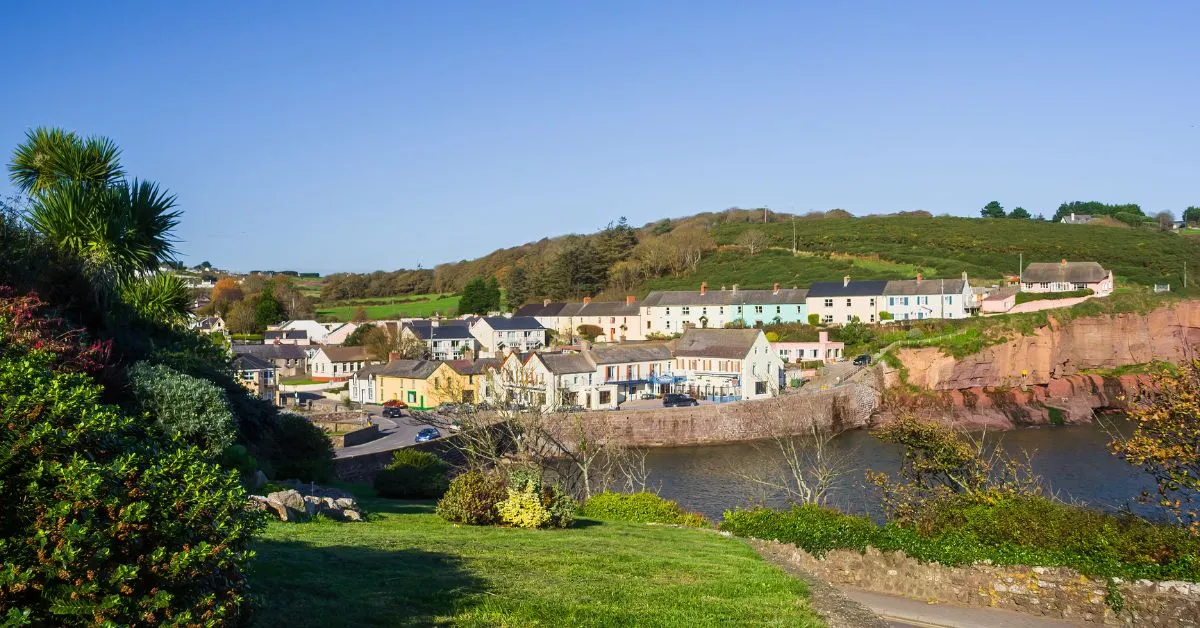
421	308
407	566
1026	297
298	380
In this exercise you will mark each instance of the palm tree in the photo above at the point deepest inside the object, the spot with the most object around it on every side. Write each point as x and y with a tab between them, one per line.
119	229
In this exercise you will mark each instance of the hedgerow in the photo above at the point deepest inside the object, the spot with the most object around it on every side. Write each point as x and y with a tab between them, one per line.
640	508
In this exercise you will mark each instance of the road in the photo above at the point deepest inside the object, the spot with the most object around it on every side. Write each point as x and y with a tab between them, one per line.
398	432
902	612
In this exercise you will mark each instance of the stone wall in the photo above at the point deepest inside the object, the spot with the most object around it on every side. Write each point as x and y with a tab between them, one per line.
357	437
1050	592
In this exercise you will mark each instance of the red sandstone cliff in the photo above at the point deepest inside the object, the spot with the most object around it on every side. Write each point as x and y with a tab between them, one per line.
1035	379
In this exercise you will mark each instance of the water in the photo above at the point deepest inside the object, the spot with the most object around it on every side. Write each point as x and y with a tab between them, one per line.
1072	460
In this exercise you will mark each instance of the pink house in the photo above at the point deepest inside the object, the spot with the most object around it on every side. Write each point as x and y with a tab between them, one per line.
823	350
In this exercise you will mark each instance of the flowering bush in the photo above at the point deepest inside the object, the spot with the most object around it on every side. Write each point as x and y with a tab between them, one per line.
24	323
534	504
472	498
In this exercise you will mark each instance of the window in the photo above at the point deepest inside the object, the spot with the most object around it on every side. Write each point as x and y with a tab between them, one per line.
891	301
1044	284
828	302
872	318
760	388
849	318
758	309
778	309
739	309
605	397
828	318
720	310
412	396
647	324
668	324
1080	286
799	309
950	298
872	302
668	311
686	310
848	303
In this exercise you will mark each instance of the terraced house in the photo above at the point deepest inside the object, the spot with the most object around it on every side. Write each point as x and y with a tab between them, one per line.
673	311
617	320
446	339
497	334
878	301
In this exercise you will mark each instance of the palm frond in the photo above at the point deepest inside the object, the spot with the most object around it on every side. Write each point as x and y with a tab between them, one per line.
159	297
151	219
50	156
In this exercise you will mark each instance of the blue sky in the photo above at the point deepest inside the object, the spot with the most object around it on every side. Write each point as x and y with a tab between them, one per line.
362	136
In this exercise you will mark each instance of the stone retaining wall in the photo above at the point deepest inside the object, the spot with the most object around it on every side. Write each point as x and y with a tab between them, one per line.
357	437
1050	592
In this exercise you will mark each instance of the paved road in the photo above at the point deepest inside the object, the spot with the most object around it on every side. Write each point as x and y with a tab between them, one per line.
397	432
904	613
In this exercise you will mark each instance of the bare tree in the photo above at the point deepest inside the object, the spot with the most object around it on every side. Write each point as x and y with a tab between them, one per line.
1165	220
754	240
805	468
629	463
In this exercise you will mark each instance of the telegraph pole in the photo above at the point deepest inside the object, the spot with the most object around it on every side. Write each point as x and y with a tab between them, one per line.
794	238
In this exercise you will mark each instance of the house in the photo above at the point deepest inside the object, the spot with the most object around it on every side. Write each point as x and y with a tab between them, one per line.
497	334
335	363
474	378
1001	300
316	331
1066	277
727	364
338	333
200	302
616	320
446	339
599	377
823	350
1077	219
670	312
286	337
629	370
920	298
842	302
289	360
257	375
422	384
209	325
364	385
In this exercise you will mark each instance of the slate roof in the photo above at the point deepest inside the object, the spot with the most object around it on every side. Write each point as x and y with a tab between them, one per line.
445	330
514	323
473	367
285	334
716	343
409	369
1069	272
346	354
251	363
609	308
367	371
271	352
909	287
769	297
630	352
566	363
661	298
823	289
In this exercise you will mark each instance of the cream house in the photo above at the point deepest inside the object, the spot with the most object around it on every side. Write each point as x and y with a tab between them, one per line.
727	364
335	363
1067	277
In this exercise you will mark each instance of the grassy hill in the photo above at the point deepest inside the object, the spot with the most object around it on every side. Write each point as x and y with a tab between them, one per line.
407	566
418	305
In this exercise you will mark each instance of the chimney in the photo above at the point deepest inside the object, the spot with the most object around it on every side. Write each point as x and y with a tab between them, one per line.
920	277
1072	216
587	300
1064	262
433	322
630	299
775	288
964	276
703	287
823	337
545	302
393	356
846	281
585	345
735	288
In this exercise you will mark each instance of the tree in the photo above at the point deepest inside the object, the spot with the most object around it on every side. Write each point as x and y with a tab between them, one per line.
992	210
382	346
1165	220
615	242
356	337
241	318
225	294
517	285
1191	215
1019	212
578	270
359	315
268	310
1166	441
754	240
480	296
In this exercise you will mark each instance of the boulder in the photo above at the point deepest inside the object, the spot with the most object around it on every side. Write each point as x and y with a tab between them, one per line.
258	481
305	501
290	505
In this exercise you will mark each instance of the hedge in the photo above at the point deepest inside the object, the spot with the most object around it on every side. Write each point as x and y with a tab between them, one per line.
1026	297
640	508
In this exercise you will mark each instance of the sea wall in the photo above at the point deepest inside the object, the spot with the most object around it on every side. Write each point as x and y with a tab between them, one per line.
1057	592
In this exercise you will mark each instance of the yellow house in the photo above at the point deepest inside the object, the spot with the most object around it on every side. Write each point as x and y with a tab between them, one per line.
423	384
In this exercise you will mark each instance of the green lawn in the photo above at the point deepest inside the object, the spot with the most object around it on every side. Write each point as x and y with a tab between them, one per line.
426	307
406	566
299	380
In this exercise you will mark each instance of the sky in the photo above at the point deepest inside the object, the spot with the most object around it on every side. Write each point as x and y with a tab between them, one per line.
358	136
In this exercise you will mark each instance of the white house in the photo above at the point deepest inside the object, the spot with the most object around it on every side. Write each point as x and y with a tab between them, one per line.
209	324
334	363
257	375
363	387
728	364
338	332
497	334
842	302
315	331
447	339
670	312
286	337
920	298
600	377
1066	277
823	350
617	321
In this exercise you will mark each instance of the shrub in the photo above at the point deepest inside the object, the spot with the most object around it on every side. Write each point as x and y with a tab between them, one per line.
640	508
813	319
412	475
535	504
815	529
184	405
303	451
1026	297
106	522
472	498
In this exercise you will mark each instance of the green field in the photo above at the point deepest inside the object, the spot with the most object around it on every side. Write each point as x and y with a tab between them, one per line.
407	566
429	304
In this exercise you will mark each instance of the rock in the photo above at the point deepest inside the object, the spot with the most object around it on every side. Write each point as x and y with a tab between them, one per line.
258	481
345	502
290	505
352	515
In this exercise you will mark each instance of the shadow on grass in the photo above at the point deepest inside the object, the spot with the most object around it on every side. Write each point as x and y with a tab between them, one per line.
399	507
299	584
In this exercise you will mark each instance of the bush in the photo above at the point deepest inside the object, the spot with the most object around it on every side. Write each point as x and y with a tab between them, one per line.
813	319
815	529
183	405
640	508
1026	297
412	475
535	504
105	521
302	450
472	498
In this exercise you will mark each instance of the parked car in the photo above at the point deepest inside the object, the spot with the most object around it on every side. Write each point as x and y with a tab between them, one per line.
649	395
672	400
392	412
447	408
428	434
862	360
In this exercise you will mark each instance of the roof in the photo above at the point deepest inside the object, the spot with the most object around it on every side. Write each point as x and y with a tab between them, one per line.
716	343
346	354
251	363
409	369
271	352
566	363
539	309
473	367
609	308
1077	218
1068	272
687	297
516	322
367	371
904	287
444	330
630	352
285	334
841	289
